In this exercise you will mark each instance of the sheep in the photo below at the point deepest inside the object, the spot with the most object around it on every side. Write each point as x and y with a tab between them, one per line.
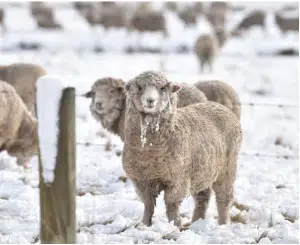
108	102
44	16
287	24
2	17
112	15
18	128
222	93
207	47
216	15
180	151
256	18
145	19
23	76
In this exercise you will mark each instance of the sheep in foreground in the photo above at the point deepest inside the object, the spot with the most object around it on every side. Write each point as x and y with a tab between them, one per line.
189	150
222	93
18	128
23	77
208	46
108	102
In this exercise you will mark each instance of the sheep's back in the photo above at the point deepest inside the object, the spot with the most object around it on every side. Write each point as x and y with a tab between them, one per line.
24	77
222	93
11	112
189	95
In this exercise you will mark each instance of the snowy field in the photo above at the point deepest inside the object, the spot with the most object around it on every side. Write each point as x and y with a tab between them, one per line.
266	206
108	210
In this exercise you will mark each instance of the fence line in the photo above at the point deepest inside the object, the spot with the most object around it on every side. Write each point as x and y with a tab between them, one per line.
251	154
251	104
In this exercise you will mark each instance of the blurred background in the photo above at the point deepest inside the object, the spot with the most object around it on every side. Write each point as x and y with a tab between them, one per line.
156	27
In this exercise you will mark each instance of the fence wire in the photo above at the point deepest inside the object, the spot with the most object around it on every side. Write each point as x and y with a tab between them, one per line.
250	154
255	154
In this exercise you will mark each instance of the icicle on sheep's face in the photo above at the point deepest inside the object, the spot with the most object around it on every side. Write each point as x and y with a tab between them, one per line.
151	96
105	98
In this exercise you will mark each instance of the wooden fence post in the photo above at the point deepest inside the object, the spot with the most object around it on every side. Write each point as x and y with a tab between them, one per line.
58	199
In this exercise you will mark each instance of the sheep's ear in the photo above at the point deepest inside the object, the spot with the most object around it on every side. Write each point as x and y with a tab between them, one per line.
89	94
175	88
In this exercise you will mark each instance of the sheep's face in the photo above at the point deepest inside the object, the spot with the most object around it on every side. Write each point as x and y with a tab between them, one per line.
105	98
151	94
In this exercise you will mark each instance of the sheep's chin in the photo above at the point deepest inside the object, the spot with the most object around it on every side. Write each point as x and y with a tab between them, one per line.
149	110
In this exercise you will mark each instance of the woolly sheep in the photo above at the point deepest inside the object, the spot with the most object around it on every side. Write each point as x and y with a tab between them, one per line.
287	24
18	128
108	102
189	150
222	93
255	18
23	76
144	19
44	16
207	46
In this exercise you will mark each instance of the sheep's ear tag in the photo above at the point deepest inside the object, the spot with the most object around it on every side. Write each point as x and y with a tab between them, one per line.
89	94
175	88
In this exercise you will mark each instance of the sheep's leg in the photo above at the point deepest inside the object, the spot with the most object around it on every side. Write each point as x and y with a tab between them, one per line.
173	199
224	190
148	195
202	66
201	204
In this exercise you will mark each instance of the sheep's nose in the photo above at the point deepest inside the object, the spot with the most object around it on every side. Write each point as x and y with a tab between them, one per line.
150	101
99	105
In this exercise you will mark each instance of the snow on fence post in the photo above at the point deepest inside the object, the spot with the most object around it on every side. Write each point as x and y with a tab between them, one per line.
57	161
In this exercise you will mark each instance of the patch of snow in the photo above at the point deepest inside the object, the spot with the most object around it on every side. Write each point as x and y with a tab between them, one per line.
49	92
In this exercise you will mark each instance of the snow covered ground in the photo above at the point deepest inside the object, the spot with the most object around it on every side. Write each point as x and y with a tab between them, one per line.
108	211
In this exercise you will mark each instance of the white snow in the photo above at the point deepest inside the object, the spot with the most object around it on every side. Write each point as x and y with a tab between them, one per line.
49	92
107	208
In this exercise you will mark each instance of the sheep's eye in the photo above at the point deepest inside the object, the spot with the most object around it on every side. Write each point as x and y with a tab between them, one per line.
111	91
163	89
139	88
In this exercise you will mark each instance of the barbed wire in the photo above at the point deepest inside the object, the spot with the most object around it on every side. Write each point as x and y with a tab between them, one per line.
249	103
253	104
250	154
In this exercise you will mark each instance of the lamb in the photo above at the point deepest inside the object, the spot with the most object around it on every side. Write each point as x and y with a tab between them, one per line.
207	47
222	93
180	151
108	102
23	76
18	128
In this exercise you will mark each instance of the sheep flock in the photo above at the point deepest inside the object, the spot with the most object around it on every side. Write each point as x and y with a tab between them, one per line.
178	137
